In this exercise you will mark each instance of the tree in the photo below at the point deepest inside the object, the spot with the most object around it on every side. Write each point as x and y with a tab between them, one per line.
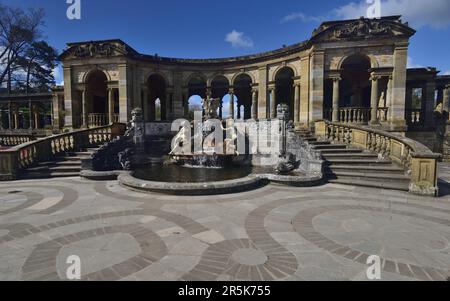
18	30
37	64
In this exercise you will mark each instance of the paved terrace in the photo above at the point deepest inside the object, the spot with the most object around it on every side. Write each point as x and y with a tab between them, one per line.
274	233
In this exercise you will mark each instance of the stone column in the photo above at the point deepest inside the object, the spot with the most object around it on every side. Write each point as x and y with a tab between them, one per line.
16	117
168	105
125	91
374	99
186	103
262	93
296	103
254	104
273	102
397	110
36	118
304	91
336	81
389	94
446	101
231	92
429	103
111	105
84	112
10	117
30	108
145	107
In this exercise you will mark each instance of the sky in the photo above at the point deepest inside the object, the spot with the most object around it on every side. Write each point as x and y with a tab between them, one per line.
213	28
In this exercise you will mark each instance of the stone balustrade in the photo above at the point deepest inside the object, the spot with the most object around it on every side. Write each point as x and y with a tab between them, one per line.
357	115
20	157
414	116
419	162
100	119
14	140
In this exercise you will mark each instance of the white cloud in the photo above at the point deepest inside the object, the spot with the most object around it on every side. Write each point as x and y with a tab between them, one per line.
412	64
446	73
239	40
433	13
59	76
302	17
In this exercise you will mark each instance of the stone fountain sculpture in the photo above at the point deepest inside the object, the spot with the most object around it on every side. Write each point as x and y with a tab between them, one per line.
287	162
122	152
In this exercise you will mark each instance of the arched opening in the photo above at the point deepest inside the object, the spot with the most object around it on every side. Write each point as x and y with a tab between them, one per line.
156	103
195	105
355	85
219	89
284	87
96	106
243	92
196	94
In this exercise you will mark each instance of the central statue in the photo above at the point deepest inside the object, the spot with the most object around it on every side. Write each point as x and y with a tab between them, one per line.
210	107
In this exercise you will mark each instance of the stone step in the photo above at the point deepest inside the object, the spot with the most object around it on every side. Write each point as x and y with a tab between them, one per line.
372	169
384	177
60	163
320	143
349	156
37	175
329	146
374	184
54	168
341	151
370	162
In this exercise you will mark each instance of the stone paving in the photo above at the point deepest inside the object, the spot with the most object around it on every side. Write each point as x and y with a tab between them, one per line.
272	233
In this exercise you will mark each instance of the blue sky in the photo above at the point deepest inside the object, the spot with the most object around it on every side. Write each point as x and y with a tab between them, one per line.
211	28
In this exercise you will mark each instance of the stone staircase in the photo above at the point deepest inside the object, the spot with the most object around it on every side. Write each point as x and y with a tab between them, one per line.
351	166
67	165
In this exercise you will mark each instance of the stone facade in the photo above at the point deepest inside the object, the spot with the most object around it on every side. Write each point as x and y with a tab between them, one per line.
352	71
296	75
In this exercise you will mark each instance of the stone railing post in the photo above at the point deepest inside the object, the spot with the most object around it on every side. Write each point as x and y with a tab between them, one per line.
424	174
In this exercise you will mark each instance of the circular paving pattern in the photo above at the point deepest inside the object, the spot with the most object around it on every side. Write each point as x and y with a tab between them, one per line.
272	233
303	224
42	265
249	257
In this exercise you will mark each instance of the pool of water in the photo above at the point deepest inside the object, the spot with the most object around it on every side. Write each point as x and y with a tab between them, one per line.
181	174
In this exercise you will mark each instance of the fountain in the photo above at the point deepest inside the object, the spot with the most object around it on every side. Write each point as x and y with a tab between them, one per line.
212	160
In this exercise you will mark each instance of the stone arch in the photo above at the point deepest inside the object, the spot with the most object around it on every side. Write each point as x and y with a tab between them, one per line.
195	75
284	88
217	76
243	84
158	73
157	88
240	74
280	68
92	71
373	60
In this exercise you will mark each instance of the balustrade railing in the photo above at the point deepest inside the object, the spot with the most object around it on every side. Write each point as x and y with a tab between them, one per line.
97	119
100	119
25	155
13	140
414	116
357	115
419	161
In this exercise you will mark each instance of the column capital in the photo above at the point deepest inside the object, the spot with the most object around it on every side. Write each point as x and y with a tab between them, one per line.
336	78
375	77
447	86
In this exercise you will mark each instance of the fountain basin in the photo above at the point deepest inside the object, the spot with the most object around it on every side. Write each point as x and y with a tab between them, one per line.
249	182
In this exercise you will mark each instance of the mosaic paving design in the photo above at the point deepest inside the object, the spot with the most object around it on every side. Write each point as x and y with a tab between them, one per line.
273	233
